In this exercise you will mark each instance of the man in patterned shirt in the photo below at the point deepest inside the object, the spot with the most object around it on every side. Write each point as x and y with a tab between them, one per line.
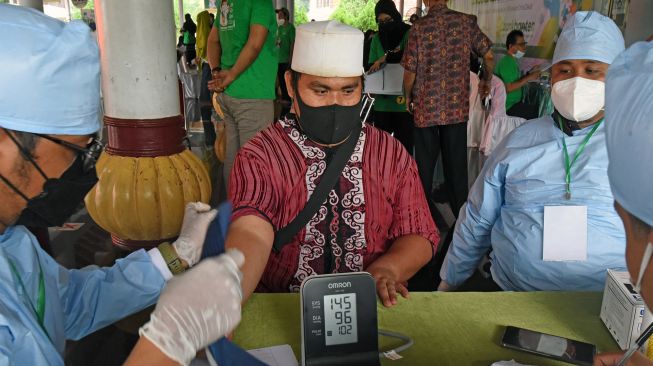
375	219
436	83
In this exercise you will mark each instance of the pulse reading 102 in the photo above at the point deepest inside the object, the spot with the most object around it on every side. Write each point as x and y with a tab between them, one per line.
342	307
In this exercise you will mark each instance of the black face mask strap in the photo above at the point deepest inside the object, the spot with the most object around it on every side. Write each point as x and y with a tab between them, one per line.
26	154
13	187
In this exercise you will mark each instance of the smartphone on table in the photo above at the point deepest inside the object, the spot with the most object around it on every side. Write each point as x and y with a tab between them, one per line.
547	345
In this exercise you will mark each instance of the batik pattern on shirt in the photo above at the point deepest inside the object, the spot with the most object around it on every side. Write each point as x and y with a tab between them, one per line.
438	52
378	198
341	216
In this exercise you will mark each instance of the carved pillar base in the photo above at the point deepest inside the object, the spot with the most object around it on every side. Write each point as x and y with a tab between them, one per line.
146	177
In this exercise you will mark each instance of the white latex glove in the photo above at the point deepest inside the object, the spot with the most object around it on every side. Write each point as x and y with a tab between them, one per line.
197	218
197	307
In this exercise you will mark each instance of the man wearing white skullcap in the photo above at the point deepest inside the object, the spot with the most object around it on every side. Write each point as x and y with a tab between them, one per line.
629	138
366	211
49	114
543	203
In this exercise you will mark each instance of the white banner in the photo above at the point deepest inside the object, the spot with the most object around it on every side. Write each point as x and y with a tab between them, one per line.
540	20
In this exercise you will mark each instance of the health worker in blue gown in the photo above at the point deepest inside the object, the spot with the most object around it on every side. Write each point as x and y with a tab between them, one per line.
629	136
542	205
49	115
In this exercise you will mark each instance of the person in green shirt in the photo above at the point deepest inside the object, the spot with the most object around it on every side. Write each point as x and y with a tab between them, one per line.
387	46
244	60
285	43
188	30
507	70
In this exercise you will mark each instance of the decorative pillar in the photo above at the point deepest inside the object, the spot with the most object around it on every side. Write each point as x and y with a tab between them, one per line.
146	173
34	4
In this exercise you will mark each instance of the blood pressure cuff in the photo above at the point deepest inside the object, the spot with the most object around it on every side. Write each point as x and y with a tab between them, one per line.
217	233
223	351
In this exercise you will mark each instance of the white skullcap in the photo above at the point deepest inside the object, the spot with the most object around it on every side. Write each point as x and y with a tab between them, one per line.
328	49
589	36
629	130
50	74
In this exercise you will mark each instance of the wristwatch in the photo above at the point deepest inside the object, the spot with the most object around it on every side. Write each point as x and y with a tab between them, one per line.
169	254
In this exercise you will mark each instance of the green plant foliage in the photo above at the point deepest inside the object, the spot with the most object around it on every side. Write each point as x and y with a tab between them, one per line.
76	13
356	13
301	14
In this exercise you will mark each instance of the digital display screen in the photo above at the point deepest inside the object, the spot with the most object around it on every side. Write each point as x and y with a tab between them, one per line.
340	320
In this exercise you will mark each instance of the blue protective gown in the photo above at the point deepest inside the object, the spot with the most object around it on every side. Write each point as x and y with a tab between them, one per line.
505	212
77	302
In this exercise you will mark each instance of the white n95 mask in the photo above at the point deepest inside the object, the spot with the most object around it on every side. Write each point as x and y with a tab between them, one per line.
642	267
578	99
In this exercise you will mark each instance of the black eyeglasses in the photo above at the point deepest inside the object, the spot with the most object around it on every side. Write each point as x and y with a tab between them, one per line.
89	155
385	21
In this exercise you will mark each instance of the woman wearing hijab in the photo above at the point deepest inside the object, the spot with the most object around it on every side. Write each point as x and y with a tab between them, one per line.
388	45
189	28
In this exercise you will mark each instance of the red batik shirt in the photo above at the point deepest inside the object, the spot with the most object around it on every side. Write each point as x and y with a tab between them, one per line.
438	52
378	199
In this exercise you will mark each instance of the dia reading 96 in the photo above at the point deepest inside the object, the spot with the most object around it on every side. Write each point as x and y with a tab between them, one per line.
340	319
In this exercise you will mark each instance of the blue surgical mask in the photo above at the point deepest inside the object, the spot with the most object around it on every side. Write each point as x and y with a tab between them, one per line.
519	54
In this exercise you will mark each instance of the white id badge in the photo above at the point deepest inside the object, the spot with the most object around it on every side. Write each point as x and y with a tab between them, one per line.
565	233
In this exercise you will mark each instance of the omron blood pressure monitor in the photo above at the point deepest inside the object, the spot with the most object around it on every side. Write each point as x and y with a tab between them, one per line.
339	323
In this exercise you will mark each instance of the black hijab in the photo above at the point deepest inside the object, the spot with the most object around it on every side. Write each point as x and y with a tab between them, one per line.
391	33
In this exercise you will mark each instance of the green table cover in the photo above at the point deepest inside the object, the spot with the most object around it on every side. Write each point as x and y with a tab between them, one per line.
448	328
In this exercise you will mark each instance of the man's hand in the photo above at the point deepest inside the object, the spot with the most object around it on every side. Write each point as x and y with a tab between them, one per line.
225	77
215	82
533	75
387	285
611	359
444	286
409	105
197	218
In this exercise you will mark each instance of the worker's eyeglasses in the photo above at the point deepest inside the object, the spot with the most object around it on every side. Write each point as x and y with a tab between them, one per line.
385	21
89	155
521	43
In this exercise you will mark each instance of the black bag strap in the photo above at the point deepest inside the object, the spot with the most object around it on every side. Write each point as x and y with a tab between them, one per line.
328	181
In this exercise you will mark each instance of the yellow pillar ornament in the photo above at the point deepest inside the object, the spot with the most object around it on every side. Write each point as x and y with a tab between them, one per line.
141	201
146	178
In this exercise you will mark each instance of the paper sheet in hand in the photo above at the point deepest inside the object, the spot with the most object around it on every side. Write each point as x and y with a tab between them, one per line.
565	233
387	81
275	356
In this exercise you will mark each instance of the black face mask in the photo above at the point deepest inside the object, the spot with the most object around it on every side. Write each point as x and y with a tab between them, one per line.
330	124
388	27
60	197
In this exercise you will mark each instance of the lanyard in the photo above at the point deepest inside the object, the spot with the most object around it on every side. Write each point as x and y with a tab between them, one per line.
568	163
39	309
